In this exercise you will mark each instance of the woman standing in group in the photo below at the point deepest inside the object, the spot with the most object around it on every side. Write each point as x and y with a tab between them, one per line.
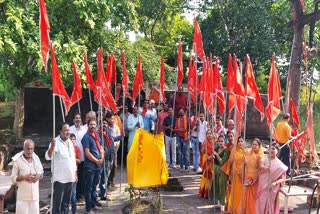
252	162
207	150
272	178
221	155
234	168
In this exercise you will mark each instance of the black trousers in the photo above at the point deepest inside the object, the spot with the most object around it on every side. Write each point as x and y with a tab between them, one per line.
61	197
80	183
284	156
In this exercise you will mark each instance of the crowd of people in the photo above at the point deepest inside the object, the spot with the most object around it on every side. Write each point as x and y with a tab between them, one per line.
84	158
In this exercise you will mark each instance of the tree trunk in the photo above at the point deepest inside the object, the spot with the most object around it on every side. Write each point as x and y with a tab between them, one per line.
19	113
294	73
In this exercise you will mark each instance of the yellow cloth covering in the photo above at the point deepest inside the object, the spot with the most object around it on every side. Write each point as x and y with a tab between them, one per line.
146	160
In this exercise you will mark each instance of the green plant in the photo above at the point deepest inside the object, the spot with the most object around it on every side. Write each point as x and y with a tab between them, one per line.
135	194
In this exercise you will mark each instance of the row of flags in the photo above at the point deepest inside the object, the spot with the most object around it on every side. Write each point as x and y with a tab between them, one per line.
209	88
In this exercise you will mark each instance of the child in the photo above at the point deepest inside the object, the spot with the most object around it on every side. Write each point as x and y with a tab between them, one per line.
74	185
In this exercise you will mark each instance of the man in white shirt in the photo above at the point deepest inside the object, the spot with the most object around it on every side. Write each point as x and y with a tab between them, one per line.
26	172
202	127
79	131
63	167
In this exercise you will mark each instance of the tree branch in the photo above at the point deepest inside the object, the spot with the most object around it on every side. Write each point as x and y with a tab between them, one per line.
306	19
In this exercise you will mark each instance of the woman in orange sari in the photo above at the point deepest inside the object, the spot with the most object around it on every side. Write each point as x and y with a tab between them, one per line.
234	168
207	149
252	163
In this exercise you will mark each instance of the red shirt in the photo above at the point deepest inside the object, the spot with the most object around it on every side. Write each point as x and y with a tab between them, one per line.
77	151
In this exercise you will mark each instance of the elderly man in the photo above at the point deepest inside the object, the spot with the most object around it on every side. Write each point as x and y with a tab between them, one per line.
63	168
26	173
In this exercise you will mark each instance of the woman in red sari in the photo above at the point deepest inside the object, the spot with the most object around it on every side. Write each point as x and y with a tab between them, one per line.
273	178
207	149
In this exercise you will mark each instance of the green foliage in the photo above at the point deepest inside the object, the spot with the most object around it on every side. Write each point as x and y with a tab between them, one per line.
135	194
257	28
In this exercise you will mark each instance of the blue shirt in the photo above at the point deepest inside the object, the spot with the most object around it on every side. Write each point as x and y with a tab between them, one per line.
89	142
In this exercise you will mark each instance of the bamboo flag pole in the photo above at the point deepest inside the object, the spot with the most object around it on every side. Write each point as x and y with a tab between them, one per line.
90	99
122	147
102	138
62	111
269	156
78	103
53	137
234	157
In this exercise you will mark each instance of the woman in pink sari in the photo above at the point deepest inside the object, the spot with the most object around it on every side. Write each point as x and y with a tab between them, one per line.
267	201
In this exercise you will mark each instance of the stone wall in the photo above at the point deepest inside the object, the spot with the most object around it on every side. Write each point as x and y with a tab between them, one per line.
38	113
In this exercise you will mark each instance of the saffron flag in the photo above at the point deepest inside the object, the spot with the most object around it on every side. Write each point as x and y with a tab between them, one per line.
125	79
294	113
310	133
179	64
147	160
252	89
44	29
203	83
197	41
111	71
138	80
239	88
90	82
193	80
230	85
274	93
77	89
103	95
57	85
162	80
217	86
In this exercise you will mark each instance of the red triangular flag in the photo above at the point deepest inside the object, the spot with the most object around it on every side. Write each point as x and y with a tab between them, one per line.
239	89
193	80
57	85
294	113
310	133
90	82
252	89
111	71
162	80
203	84
230	85
138	80
274	93
44	29
180	64
77	89
103	95
217	86
125	79
197	41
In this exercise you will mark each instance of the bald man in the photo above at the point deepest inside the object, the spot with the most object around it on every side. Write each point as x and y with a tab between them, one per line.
26	173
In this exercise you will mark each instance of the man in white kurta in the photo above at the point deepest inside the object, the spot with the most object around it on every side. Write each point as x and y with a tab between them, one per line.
63	168
26	172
